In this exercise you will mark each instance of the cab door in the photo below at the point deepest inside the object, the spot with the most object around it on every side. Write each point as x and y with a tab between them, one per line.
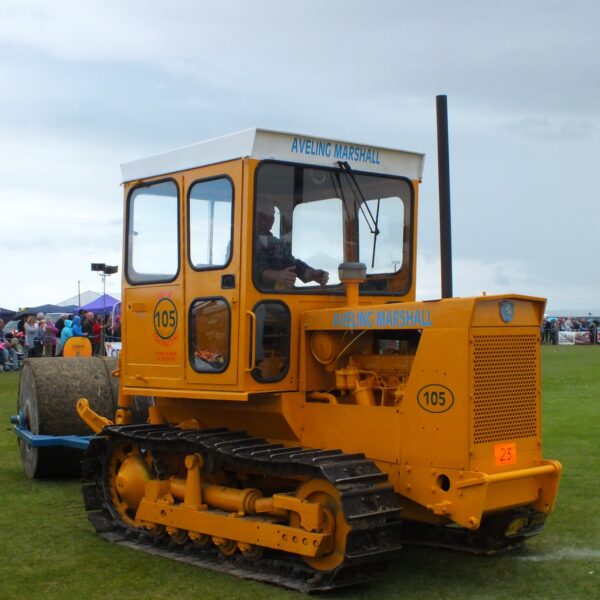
213	210
152	328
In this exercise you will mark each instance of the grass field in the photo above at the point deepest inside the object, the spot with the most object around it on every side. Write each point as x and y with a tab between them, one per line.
48	549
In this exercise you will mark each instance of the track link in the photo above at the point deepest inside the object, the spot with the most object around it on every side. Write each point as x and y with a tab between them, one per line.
489	539
370	506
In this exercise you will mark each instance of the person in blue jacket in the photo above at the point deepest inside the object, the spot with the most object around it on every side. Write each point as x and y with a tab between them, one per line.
65	334
77	330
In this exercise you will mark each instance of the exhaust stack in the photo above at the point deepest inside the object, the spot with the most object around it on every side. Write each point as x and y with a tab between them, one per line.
444	192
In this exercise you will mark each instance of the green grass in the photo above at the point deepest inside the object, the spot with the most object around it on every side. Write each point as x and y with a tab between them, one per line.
48	549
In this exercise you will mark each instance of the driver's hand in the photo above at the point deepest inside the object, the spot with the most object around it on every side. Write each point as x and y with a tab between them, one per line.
287	277
320	276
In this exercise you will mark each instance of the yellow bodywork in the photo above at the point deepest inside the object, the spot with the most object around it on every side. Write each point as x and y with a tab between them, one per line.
454	420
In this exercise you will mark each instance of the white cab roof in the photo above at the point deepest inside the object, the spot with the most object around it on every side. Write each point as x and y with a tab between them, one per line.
291	147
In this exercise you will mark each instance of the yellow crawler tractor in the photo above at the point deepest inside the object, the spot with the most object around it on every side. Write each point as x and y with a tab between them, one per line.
309	417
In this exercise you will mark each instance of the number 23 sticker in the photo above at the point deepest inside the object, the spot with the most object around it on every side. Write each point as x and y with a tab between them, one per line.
505	454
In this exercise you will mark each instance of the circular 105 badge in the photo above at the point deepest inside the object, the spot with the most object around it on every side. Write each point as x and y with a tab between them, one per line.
435	398
165	318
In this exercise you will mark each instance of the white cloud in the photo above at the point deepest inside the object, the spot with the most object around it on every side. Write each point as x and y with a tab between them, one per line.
553	129
473	277
478	51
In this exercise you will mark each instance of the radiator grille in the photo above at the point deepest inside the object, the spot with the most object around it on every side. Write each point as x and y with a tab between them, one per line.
505	387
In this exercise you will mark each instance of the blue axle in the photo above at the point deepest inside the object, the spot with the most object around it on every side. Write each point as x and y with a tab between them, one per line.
81	442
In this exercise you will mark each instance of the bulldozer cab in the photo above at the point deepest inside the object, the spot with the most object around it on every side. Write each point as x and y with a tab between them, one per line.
228	242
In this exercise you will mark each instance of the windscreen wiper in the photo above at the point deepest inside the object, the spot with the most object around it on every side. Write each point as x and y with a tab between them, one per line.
361	202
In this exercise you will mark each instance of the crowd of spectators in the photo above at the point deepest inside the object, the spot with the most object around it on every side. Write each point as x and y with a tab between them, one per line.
37	335
553	325
9	355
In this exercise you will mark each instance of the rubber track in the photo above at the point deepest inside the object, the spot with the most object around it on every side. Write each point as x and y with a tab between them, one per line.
368	500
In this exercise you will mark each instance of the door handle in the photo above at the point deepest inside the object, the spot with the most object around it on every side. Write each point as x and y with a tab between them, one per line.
252	344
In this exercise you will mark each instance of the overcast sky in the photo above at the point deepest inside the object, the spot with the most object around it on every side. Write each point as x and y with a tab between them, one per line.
86	86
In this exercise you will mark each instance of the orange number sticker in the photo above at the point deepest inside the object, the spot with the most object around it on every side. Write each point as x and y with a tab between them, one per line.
505	454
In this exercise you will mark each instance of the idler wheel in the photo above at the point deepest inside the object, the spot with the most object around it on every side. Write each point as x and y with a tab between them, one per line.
334	521
128	472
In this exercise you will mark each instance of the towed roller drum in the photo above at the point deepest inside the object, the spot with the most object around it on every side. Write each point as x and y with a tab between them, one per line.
48	393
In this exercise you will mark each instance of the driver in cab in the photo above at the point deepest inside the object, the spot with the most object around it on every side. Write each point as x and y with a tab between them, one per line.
274	265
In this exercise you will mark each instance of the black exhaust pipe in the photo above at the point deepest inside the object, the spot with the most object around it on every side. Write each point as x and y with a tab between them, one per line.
444	190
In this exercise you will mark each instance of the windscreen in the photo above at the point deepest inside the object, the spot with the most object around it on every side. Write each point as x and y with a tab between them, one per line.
309	220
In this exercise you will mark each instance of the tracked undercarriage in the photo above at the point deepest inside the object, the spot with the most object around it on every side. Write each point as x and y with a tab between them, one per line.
331	522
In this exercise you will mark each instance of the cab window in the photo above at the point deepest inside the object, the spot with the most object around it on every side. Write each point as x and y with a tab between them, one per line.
272	337
210	223
379	249
209	335
152	233
328	214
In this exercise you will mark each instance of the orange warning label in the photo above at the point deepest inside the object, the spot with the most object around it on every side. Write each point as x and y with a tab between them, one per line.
505	454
